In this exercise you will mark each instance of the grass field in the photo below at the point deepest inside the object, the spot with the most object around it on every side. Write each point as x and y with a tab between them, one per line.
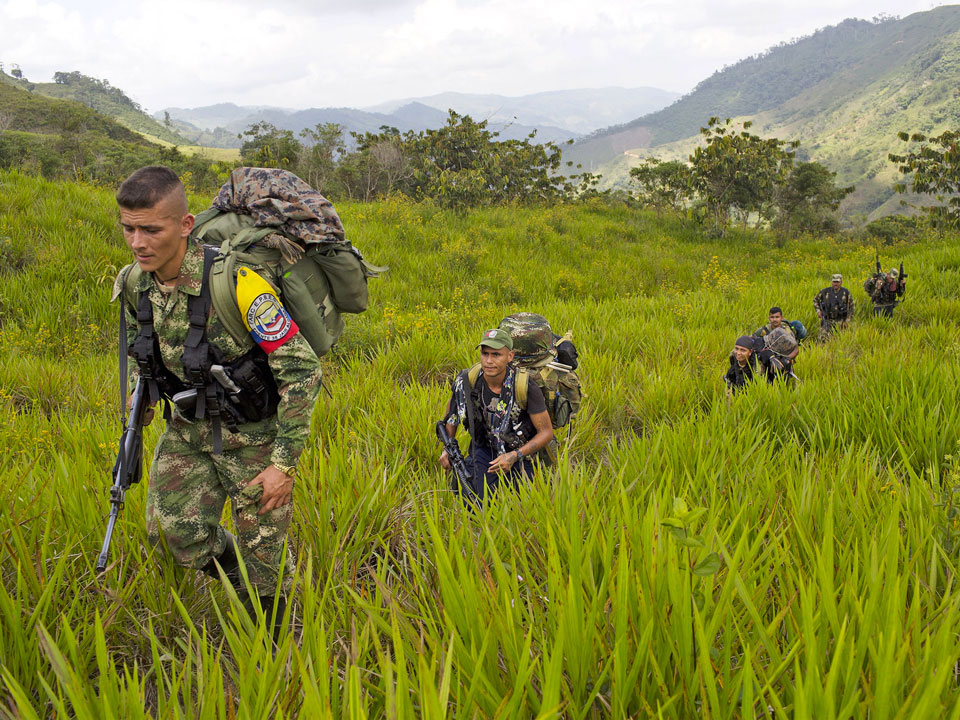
792	552
211	153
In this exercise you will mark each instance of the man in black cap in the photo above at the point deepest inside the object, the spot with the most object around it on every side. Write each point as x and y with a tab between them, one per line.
505	415
834	306
749	359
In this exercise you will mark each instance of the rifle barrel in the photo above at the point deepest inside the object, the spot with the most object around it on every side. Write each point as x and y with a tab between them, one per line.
128	467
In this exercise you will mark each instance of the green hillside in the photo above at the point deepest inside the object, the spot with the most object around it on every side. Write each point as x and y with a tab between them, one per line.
844	92
65	139
102	97
789	552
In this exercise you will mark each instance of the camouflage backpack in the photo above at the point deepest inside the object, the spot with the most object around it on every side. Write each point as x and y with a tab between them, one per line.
541	353
316	282
781	341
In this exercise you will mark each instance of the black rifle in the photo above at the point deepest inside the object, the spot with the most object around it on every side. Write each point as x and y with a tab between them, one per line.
129	466
879	269
457	461
903	275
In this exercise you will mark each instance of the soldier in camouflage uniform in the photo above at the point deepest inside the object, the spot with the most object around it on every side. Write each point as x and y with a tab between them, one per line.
503	436
886	290
834	306
189	480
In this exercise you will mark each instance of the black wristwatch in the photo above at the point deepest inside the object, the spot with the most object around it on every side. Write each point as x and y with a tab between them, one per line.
519	452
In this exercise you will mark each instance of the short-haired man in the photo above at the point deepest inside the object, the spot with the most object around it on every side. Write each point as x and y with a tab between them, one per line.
503	435
775	321
834	306
175	335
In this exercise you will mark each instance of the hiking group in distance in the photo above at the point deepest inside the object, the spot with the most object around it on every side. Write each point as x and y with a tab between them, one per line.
771	351
225	316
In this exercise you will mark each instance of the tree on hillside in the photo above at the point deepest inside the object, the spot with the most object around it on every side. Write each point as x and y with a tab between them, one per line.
935	169
317	163
737	172
269	146
807	200
663	185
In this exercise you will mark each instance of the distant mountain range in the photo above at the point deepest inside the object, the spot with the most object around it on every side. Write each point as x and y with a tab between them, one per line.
577	111
843	92
556	116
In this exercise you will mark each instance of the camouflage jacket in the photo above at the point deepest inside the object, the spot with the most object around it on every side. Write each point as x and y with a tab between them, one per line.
834	304
295	367
887	290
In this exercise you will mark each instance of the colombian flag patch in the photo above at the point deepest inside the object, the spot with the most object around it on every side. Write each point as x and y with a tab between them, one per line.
269	323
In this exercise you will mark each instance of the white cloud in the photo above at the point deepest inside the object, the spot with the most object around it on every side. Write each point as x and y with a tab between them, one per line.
335	52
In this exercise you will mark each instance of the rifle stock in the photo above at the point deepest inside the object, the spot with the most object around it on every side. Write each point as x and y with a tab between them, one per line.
128	468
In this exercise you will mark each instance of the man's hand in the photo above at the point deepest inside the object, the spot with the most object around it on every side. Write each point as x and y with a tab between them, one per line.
277	489
503	463
445	460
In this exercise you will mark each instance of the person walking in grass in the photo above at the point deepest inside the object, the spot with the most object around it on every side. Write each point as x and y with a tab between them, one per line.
886	290
503	435
749	359
775	322
834	306
214	446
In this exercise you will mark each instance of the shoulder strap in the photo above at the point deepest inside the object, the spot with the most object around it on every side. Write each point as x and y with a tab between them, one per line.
472	375
522	383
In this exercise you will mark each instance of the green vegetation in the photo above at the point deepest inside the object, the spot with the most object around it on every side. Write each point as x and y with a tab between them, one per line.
458	166
794	551
100	96
739	175
843	93
64	139
934	171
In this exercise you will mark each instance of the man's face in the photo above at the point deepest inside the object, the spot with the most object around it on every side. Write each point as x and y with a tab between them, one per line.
494	361
741	353
836	284
157	236
775	320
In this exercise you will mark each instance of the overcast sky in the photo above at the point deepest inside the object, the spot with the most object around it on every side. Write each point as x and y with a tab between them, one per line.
356	53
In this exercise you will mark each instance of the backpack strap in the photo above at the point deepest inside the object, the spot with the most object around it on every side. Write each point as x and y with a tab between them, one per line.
473	373
522	383
197	353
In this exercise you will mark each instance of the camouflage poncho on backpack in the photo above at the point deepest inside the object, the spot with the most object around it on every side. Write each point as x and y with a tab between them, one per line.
539	350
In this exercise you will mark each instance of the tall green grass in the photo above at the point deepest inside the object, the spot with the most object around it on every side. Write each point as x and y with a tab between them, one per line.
791	551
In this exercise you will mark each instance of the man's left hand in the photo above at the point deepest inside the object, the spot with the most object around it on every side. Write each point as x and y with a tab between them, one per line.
504	462
277	489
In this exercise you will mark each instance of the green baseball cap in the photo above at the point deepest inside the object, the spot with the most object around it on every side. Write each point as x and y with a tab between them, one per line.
496	339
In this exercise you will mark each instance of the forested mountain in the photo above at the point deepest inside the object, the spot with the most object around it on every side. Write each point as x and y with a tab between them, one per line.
101	96
578	111
844	92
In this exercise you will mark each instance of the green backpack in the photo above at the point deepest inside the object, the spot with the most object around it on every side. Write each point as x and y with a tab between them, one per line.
315	288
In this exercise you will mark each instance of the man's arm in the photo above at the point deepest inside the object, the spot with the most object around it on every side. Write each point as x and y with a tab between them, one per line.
296	370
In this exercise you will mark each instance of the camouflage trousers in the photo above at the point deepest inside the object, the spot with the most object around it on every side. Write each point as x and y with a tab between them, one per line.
885	310
827	326
189	486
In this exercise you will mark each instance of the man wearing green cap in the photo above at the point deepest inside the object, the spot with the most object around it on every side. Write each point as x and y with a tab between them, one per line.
503	435
834	306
